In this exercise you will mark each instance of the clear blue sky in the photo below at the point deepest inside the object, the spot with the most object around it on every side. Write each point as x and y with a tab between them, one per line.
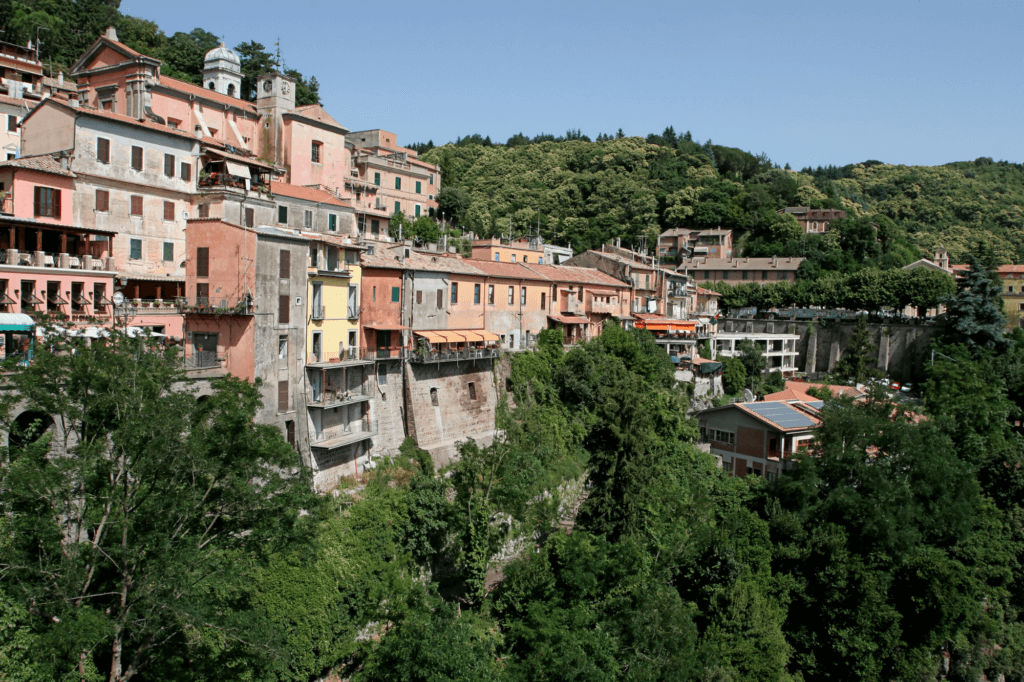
808	83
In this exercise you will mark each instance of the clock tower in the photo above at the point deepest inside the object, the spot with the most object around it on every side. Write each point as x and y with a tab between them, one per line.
275	97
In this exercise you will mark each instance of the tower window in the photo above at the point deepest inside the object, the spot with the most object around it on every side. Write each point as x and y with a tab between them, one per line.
211	86
231	89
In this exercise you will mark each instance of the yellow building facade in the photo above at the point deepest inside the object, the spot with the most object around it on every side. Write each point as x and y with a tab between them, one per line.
332	332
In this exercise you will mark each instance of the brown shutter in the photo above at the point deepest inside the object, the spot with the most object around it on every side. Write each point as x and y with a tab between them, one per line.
169	165
37	196
419	297
136	204
137	158
186	171
286	264
103	150
55	194
282	396
102	200
203	261
440	296
282	309
168	210
250	217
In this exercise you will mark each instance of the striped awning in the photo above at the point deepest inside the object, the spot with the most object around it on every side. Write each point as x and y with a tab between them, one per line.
457	335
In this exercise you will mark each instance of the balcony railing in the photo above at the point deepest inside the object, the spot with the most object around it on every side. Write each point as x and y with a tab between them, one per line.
331	397
66	261
202	360
601	307
316	312
464	354
214	305
358	430
347	354
389	352
222	180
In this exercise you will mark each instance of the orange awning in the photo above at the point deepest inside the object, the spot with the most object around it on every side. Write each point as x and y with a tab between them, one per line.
669	326
431	337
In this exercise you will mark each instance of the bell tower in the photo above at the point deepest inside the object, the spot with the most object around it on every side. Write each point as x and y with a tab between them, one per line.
275	97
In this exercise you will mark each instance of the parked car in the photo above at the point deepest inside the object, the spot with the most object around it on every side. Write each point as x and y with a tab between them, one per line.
884	382
895	386
907	388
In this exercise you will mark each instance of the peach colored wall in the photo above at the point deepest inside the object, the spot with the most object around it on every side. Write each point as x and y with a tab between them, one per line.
236	341
172	324
332	170
383	310
173	106
15	276
25	182
106	57
50	129
232	259
465	314
505	252
100	80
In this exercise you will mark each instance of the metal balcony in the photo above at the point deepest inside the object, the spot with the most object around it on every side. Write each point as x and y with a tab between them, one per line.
464	355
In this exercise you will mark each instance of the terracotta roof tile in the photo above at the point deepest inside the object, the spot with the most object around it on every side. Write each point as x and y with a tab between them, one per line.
195	90
307	194
570	273
703	263
707	292
44	163
508	270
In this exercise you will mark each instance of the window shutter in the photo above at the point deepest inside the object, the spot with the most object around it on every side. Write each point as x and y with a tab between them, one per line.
419	297
136	205
250	217
440	298
395	294
168	251
55	194
103	150
12	123
168	210
137	158
202	261
102	200
286	264
398	183
37	197
282	309
169	165
282	396
186	171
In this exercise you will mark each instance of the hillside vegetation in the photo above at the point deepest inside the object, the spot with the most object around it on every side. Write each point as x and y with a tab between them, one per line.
589	192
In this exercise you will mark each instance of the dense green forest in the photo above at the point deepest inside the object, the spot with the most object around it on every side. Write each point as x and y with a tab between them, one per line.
66	28
587	193
181	542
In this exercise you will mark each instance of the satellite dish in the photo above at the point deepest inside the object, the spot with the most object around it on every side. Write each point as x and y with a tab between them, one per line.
117	298
748	396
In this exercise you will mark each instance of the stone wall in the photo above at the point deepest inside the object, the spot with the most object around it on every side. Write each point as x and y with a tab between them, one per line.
902	348
389	407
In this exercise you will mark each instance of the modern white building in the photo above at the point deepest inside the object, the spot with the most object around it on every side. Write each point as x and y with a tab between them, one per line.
779	349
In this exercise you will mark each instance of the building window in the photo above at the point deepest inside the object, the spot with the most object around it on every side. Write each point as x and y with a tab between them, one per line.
307	219
168	251
540	260
433	397
497	257
526	259
285	267
202	261
543	299
282	215
250	217
746	274
332	222
315	152
137	158
396	294
513	258
472	390
398	183
417	187
168	210
283	309
12	123
490	294
522	296
374	227
169	165
455	293
376	179
431	178
440	298
102	200
476	294
136	205
398	207
135	249
46	202
102	149
417	210
419	297
511	295
204	210
202	293
282	396
186	171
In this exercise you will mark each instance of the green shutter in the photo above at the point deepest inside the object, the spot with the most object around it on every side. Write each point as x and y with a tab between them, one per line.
398	183
417	210
168	251
395	294
332	222
376	179
417	187
398	207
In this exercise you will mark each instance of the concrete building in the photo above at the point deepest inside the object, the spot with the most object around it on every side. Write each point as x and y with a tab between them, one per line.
525	250
759	439
678	243
648	280
386	178
740	270
48	262
779	349
813	220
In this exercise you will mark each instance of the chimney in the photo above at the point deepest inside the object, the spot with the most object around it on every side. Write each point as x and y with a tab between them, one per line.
63	160
111	33
618	242
60	78
73	100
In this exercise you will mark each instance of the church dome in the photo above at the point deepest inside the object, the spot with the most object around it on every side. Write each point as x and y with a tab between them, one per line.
222	53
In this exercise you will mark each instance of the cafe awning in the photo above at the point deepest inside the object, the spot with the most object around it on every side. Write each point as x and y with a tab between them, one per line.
567	319
237	169
16	322
432	337
668	325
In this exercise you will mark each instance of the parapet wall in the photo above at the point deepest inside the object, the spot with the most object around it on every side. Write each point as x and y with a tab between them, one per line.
902	348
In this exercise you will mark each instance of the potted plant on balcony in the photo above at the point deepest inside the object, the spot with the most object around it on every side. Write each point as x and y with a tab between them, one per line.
422	350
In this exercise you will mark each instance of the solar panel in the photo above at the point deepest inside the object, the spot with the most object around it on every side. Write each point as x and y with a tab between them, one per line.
816	404
782	414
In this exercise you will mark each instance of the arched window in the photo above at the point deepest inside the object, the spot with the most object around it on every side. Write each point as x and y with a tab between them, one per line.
231	89
211	85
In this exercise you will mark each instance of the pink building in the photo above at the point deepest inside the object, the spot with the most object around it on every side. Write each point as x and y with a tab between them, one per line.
48	264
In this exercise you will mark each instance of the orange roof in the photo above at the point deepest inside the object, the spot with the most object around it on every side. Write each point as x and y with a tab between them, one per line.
316	112
306	193
568	273
797	390
508	270
100	113
195	90
707	292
